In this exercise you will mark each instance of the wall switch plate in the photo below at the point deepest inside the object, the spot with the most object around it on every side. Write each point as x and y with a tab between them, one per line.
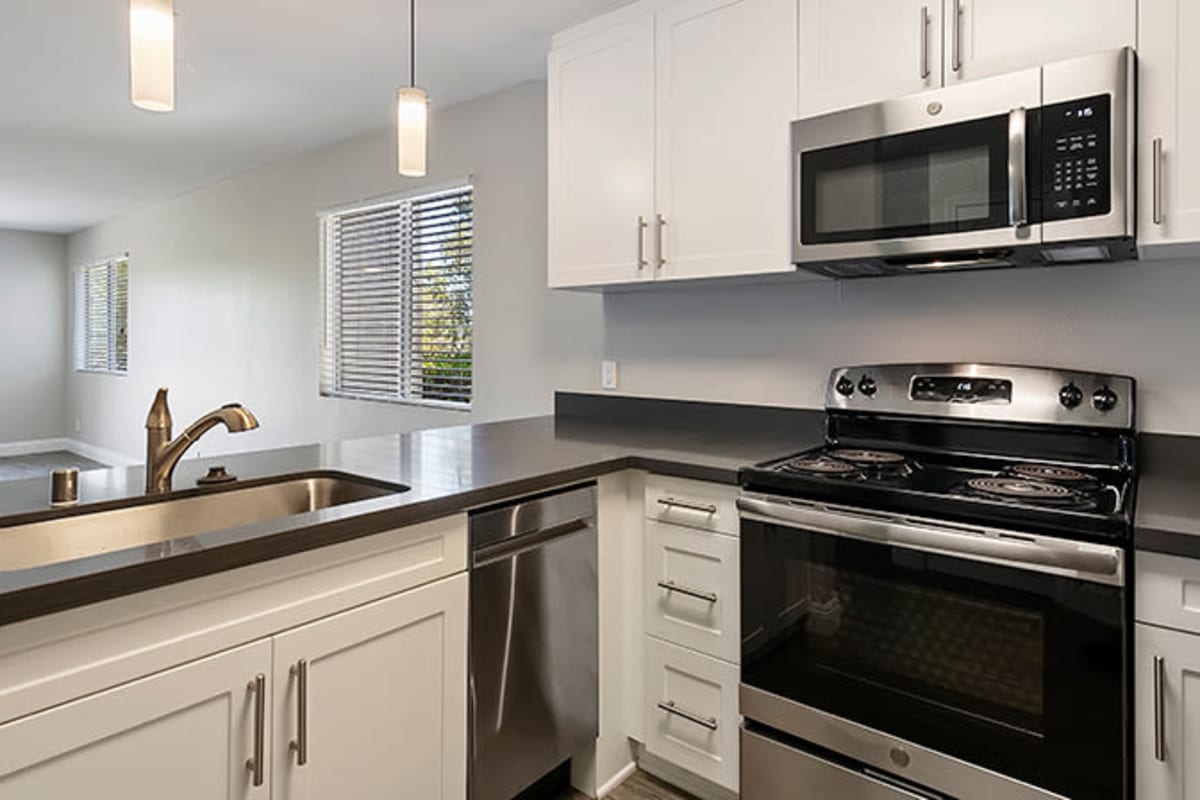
608	374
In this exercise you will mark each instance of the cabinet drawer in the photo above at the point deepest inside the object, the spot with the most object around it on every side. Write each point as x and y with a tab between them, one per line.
695	504
770	765
1167	591
692	589
691	711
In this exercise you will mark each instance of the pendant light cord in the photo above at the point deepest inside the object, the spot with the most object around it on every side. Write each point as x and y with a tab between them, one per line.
412	42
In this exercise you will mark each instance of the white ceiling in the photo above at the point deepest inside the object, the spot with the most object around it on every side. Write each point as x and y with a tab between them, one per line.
256	81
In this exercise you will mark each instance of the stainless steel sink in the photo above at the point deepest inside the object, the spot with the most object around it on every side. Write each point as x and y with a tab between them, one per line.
167	519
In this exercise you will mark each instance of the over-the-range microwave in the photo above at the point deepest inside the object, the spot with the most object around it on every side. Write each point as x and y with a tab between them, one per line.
1033	167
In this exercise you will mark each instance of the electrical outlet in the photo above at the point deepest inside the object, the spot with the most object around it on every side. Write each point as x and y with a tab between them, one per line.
608	374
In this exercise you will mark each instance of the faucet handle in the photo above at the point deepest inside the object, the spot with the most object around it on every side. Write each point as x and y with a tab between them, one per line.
159	417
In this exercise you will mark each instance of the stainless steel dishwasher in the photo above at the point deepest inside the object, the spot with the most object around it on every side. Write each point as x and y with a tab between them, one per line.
534	697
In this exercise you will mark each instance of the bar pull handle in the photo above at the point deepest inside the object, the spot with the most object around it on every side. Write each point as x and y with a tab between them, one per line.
1158	181
1160	721
1018	197
691	716
956	60
925	71
641	243
699	594
701	508
659	223
254	764
299	745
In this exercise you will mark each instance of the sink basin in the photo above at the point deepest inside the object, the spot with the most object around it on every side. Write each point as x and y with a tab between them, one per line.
51	541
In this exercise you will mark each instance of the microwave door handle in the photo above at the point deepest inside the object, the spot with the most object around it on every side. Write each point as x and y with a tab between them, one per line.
1018	194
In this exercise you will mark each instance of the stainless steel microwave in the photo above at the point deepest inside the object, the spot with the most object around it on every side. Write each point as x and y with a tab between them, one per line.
1033	167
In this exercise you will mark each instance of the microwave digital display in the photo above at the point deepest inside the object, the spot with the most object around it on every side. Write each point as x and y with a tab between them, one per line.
1076	158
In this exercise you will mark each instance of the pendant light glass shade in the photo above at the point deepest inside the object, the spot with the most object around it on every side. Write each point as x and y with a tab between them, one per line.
152	54
412	126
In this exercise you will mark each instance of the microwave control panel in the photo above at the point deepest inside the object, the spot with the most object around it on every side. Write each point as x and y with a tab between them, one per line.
1077	158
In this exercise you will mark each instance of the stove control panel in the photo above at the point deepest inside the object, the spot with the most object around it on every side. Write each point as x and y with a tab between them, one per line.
985	392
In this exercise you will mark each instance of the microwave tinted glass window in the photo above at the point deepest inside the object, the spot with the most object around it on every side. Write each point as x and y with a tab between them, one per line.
944	187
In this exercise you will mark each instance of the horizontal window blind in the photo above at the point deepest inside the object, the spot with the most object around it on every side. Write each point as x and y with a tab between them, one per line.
102	316
397	300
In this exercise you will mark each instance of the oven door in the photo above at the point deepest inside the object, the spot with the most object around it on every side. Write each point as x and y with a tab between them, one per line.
1000	650
947	172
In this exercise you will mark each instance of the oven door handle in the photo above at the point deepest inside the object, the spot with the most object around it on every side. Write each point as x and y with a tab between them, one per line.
1089	562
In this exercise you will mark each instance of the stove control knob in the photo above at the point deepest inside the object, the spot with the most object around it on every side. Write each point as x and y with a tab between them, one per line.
1070	396
867	386
845	386
1105	399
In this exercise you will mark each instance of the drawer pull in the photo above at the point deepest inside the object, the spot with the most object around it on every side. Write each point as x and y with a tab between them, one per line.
699	594
700	508
1160	721
256	762
691	716
299	745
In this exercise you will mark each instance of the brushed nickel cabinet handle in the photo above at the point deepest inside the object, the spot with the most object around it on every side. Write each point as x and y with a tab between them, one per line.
1160	721
956	61
254	764
299	745
659	223
1018	195
925	71
702	508
641	243
699	594
670	707
1158	181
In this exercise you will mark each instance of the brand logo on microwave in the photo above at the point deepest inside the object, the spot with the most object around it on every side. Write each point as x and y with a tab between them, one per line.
934	108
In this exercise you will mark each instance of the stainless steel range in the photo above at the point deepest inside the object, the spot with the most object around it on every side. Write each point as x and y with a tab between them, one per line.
934	603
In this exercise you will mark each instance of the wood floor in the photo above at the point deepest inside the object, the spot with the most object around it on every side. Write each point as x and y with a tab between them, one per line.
639	786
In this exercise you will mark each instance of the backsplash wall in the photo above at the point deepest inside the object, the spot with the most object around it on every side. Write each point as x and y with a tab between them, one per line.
775	343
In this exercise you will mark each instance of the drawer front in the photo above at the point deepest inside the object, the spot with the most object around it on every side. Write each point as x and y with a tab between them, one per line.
695	504
768	765
691	711
1167	591
691	594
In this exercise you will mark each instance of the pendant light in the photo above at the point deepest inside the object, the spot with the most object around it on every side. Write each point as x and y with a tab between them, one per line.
412	111
152	54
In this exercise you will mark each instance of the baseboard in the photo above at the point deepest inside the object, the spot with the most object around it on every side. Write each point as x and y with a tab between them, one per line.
9	449
677	776
616	780
109	458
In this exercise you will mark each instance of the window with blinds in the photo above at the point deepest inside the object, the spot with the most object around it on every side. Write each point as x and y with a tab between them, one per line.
102	316
397	297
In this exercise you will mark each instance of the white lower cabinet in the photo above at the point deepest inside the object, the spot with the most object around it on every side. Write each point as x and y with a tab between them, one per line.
691	711
1167	703
184	734
373	700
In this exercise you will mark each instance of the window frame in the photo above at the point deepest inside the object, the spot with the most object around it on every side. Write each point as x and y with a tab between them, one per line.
79	339
328	363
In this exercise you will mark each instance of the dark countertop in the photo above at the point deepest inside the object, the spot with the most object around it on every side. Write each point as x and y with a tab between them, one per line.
1168	502
449	470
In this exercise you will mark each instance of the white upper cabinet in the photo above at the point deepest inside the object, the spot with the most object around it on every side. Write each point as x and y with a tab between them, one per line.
668	142
990	37
725	89
601	150
1169	128
855	53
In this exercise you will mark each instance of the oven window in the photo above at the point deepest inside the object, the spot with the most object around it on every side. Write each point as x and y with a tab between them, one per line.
940	180
1019	671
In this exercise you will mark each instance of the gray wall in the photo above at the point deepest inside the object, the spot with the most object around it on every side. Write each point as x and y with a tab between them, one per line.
224	289
33	334
775	343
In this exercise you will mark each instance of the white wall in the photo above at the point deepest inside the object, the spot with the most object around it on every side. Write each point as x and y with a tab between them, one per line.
775	343
224	289
33	331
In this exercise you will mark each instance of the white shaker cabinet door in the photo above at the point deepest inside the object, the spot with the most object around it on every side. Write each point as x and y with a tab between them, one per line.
1167	707
373	700
1169	128
185	734
601	156
725	80
991	37
861	52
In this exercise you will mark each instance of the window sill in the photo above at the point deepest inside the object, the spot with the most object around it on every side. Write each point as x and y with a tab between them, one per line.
116	372
439	405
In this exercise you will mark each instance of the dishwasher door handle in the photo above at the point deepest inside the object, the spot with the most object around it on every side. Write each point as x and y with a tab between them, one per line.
492	553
